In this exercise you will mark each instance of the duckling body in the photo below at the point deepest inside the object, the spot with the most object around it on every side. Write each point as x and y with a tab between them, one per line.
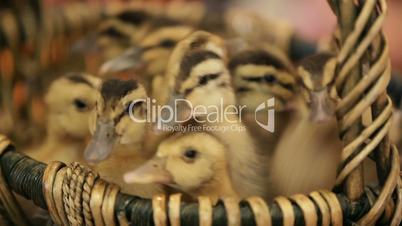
306	158
69	100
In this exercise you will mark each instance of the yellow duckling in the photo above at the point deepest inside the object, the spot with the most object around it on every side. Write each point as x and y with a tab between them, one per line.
197	164
69	100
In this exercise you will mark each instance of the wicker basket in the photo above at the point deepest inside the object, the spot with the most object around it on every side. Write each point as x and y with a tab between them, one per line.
74	195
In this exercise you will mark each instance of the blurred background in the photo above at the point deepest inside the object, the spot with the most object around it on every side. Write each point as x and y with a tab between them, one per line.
40	39
314	20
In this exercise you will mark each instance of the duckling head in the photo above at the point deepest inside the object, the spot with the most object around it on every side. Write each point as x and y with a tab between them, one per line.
204	79
317	74
198	40
152	53
119	32
197	72
119	118
260	74
70	100
194	163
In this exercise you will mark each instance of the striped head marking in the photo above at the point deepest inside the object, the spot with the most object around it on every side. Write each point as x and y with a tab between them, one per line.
259	75
200	54
119	100
204	79
317	71
153	51
317	75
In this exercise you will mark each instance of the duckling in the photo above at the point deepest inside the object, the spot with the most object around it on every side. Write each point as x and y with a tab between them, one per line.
394	90
122	30
69	100
110	122
260	74
117	140
195	163
300	164
152	52
203	79
149	59
317	74
213	46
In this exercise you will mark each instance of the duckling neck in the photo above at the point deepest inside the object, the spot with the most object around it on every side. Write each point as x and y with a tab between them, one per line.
218	187
57	136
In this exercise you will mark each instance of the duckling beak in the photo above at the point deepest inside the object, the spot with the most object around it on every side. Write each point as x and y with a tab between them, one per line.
152	171
102	142
322	107
130	59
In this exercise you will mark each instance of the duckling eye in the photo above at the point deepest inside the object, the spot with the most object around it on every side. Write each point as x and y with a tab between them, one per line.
242	89
128	109
269	78
253	79
131	107
167	43
80	104
206	78
190	154
203	80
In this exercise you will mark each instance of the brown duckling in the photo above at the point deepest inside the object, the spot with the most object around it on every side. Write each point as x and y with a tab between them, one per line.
111	123
151	53
122	30
116	144
317	74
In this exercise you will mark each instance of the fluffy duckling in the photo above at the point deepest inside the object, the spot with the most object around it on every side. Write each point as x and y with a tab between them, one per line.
116	143
187	54
203	79
194	163
300	164
259	75
69	100
127	29
394	90
317	74
111	123
152	53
